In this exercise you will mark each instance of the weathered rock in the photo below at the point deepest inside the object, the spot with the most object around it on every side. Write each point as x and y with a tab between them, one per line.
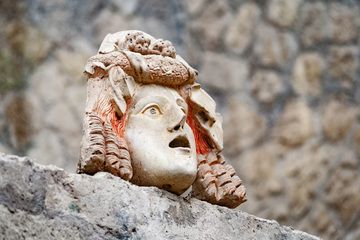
343	64
48	203
307	73
295	124
233	75
314	23
46	149
44	43
211	23
36	46
283	12
126	7
240	33
266	85
337	120
72	62
194	7
344	202
274	48
344	22
261	161
242	128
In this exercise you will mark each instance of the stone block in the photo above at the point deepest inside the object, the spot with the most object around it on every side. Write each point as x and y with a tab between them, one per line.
344	22
266	85
344	64
210	25
273	48
48	203
242	128
283	12
307	73
241	30
338	118
223	73
314	23
295	125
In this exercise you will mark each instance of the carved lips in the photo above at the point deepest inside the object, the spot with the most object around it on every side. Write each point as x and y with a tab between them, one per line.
182	143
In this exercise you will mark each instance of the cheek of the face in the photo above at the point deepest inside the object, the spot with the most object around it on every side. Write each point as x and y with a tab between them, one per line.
155	163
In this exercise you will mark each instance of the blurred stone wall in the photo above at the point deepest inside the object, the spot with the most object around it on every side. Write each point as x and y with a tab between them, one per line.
285	75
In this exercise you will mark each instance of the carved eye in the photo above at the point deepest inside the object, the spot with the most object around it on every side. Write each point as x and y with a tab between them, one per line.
152	110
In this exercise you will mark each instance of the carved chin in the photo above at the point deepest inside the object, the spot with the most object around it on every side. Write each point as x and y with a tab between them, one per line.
173	180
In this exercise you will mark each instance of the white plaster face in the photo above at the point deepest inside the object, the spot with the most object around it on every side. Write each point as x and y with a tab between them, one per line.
161	143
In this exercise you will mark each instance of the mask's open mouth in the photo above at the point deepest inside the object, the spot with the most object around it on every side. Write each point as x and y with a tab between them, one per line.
180	142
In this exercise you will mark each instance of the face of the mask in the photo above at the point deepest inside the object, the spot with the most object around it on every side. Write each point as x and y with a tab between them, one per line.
161	143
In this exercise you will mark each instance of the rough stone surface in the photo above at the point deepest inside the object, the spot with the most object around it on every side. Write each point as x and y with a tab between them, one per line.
283	12
344	64
233	78
307	74
294	126
344	22
211	23
48	203
264	56
241	31
337	120
244	125
267	86
314	23
274	48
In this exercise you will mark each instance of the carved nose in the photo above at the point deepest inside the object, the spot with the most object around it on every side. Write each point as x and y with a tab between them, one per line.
179	125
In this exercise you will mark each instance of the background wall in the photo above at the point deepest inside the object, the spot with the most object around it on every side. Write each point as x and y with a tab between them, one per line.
285	75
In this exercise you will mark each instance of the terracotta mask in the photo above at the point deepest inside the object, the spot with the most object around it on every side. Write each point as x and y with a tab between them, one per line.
149	122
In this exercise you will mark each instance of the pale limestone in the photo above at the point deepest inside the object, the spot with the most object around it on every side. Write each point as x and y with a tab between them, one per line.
233	75
243	127
72	61
307	73
210	25
240	34
345	174
47	150
314	23
295	125
266	86
338	118
75	97
274	48
48	203
40	46
283	12
194	7
344	64
344	22
60	118
47	78
126	7
62	23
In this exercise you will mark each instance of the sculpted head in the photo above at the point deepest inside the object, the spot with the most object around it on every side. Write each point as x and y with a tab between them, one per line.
161	143
148	122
